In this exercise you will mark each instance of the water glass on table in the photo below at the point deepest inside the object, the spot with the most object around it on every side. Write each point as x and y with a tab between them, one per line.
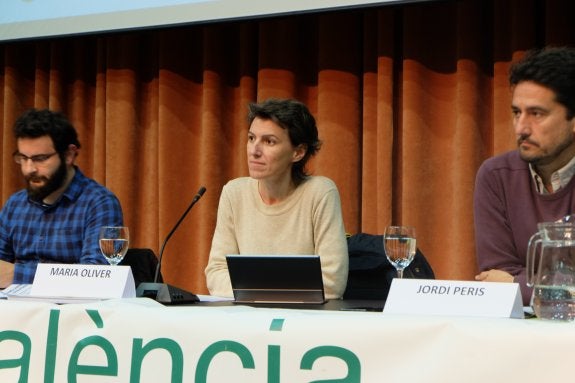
114	243
400	247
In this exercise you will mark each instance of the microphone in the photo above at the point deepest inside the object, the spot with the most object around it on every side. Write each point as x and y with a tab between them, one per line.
162	292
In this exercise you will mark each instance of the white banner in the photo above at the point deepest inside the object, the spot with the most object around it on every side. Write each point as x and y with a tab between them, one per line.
138	340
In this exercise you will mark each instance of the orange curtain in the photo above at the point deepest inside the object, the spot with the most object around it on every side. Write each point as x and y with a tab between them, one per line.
409	101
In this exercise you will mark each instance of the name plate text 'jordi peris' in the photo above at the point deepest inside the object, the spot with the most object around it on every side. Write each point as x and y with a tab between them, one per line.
463	298
83	281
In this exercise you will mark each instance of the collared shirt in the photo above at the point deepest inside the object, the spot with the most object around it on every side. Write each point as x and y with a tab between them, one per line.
65	232
559	178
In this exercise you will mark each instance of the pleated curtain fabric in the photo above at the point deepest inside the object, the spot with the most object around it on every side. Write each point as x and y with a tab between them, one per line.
409	101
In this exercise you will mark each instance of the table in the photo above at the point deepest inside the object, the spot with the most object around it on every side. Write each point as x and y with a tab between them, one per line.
138	340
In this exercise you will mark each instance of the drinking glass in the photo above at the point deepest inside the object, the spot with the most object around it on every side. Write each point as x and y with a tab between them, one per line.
114	242
399	244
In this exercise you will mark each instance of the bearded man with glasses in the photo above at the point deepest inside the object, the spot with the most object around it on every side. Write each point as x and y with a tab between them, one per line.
56	218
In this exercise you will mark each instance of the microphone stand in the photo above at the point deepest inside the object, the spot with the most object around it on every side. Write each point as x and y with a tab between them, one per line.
162	292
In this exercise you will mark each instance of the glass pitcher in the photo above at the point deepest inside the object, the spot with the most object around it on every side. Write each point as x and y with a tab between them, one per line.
551	270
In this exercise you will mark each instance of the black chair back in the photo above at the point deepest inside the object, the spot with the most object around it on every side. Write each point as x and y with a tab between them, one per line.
370	273
143	262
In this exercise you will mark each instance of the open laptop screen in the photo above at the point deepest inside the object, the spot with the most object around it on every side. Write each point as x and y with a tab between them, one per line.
276	278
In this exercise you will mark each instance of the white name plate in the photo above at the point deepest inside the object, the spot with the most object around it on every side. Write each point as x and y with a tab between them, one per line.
83	281
463	298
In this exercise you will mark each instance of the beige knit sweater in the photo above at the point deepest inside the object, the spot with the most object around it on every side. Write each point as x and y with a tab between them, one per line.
309	221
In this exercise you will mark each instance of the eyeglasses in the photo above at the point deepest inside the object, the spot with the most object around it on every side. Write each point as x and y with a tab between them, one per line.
38	159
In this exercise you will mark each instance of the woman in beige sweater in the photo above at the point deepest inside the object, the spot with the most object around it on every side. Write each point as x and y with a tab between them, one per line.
280	209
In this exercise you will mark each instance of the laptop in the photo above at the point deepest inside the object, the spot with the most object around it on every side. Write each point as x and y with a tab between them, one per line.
276	279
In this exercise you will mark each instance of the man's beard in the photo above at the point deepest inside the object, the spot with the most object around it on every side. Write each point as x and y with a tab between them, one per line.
52	183
546	158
